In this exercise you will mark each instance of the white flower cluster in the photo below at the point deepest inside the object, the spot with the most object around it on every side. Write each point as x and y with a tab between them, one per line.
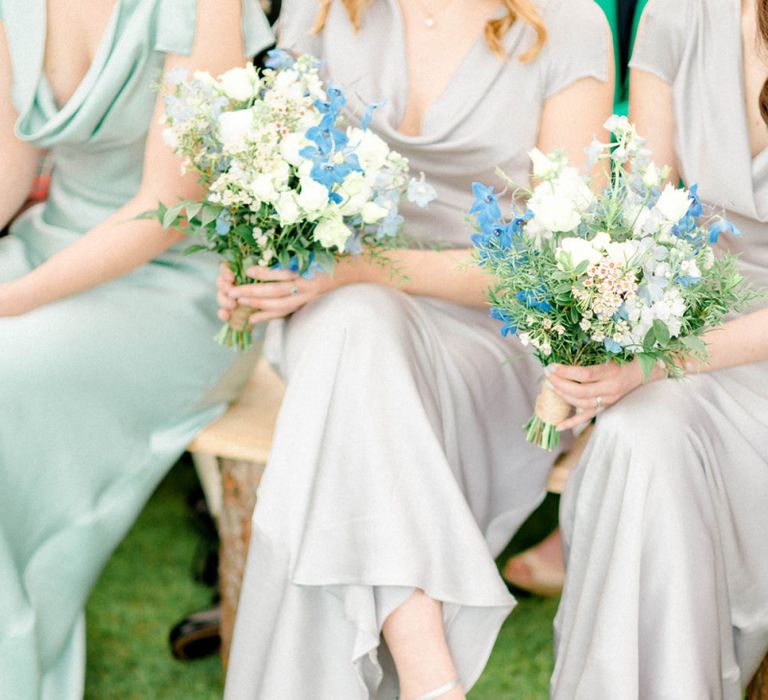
626	280
267	155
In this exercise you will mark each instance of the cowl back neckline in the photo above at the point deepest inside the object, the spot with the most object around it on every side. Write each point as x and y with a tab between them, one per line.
39	93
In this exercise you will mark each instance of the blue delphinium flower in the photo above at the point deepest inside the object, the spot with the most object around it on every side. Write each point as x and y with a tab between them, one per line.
224	222
486	205
612	346
278	59
687	228
420	192
537	298
368	114
508	326
719	227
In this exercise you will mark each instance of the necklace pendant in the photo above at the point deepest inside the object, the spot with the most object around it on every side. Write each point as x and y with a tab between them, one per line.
429	22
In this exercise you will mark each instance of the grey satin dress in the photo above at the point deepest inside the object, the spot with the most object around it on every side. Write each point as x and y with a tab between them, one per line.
399	461
666	517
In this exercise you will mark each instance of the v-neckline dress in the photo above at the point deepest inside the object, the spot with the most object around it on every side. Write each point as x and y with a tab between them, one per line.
665	517
101	392
399	460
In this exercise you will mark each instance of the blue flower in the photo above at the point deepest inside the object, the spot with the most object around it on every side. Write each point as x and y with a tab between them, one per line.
612	346
695	209
279	59
535	298
177	109
224	222
420	192
719	227
293	265
687	280
503	316
368	115
486	205
329	173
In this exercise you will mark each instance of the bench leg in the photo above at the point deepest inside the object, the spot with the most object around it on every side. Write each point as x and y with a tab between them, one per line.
758	688
207	468
239	481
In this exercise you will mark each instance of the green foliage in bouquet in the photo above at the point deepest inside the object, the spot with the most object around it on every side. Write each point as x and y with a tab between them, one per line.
586	279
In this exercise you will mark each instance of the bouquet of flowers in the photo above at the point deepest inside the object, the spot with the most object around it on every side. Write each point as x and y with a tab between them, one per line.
287	185
585	278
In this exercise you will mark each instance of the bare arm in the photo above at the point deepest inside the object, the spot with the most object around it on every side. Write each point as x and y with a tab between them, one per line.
19	159
445	274
121	243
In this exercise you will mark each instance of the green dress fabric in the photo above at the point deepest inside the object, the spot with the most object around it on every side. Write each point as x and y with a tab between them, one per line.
101	392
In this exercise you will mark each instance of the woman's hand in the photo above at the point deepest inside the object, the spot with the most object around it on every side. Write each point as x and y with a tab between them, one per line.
591	389
276	294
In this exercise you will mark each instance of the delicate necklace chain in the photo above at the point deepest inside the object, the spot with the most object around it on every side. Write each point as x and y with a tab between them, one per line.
430	15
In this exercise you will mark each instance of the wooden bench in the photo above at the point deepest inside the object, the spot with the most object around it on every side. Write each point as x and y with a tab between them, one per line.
230	456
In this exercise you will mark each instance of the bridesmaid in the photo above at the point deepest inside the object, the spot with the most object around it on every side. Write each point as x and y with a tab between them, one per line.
108	364
399	468
666	518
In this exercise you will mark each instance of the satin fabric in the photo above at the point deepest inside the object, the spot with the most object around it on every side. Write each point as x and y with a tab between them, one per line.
666	518
101	392
399	460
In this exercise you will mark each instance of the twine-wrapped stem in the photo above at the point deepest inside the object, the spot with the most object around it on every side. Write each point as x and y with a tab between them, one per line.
239	320
550	411
238	333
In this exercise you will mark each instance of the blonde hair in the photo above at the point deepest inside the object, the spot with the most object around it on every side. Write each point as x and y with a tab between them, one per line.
494	29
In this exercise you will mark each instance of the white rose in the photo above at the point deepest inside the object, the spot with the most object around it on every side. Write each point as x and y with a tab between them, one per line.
673	203
355	193
290	146
287	208
239	84
569	183
543	167
281	173
331	231
234	127
554	212
371	150
573	251
621	252
372	213
263	187
313	196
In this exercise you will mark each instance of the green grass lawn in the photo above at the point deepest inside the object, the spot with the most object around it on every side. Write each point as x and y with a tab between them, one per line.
147	586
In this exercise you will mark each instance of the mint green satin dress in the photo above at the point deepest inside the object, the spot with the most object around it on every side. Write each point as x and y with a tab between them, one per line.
99	393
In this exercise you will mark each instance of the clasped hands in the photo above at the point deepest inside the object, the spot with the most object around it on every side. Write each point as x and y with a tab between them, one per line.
274	294
592	389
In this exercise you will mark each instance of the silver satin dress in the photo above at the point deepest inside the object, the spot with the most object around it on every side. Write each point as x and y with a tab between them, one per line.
666	517
399	460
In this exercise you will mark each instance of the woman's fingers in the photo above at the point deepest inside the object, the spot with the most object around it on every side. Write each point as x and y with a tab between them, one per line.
577	419
590	390
268	274
263	316
224	314
265	290
595	373
225	273
225	301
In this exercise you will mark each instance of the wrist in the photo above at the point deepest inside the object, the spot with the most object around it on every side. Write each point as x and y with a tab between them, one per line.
14	299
